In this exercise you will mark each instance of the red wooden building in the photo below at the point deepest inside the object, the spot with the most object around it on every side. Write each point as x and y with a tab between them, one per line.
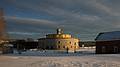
108	43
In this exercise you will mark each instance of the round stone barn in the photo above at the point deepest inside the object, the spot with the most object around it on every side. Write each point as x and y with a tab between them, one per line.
59	41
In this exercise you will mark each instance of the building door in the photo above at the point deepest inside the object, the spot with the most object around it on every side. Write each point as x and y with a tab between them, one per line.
103	49
115	49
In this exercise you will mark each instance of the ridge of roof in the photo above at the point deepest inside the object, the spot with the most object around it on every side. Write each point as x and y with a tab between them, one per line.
112	35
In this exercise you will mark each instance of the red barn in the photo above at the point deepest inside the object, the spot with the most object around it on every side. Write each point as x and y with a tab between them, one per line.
108	43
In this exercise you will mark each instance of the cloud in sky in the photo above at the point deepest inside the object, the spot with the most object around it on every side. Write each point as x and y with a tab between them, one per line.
82	18
31	21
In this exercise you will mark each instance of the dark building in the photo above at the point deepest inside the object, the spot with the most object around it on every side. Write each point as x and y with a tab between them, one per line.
87	44
24	44
108	43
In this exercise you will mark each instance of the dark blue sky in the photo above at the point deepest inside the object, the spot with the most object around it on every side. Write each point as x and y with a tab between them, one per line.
81	18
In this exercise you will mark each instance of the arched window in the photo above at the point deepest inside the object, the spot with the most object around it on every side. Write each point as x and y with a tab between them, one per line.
71	46
58	42
75	43
70	42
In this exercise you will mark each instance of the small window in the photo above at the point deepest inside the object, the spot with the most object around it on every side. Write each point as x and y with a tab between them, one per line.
59	42
70	42
58	46
63	46
75	43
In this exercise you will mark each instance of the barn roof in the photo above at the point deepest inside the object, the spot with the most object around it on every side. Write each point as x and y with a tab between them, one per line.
107	36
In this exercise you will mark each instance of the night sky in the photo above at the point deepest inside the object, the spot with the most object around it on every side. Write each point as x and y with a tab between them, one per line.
83	19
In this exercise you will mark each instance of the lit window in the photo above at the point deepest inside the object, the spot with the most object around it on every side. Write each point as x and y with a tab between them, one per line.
63	36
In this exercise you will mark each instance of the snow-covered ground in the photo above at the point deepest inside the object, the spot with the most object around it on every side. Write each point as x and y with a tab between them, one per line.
83	58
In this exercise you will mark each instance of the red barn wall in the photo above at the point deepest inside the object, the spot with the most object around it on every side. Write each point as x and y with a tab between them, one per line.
110	47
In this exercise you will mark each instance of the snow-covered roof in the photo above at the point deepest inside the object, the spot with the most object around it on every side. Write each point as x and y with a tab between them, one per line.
107	36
